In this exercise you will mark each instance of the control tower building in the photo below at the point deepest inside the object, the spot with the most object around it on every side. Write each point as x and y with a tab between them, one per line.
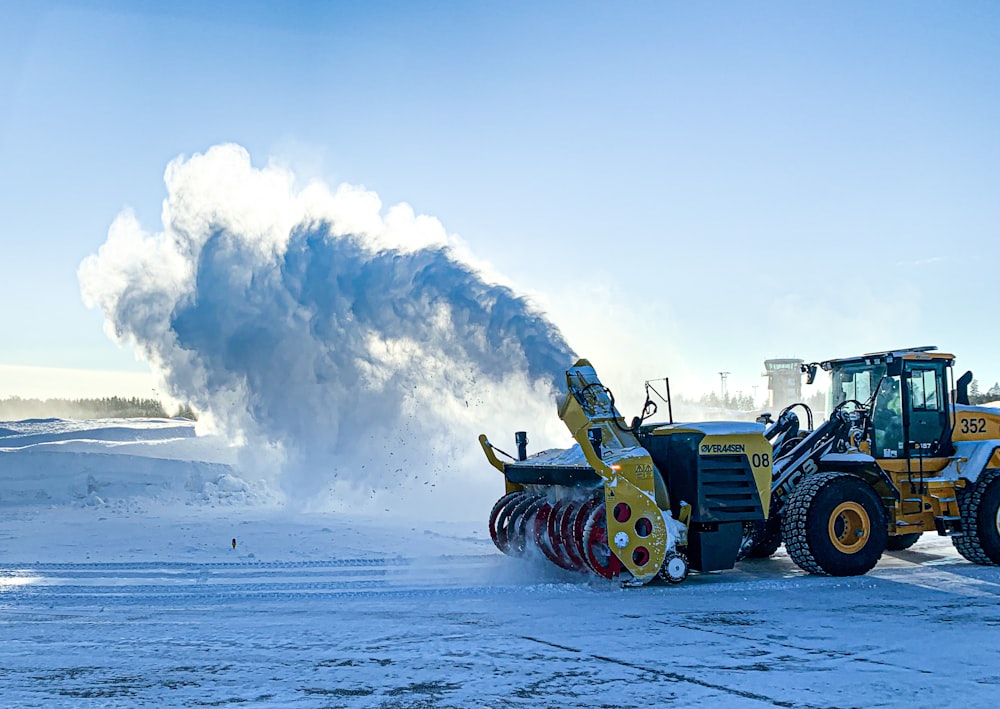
784	382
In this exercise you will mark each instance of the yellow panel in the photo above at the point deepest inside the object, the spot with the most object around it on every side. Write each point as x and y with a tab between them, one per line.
924	356
758	452
618	488
623	537
931	466
976	424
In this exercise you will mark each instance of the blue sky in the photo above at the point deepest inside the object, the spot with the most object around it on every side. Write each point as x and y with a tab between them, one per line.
686	188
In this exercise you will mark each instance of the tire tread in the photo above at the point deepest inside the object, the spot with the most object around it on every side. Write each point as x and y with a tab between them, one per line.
968	544
793	522
796	517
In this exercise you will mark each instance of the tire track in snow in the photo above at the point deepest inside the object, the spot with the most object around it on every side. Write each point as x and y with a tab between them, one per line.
374	591
141	565
832	654
675	676
943	581
143	584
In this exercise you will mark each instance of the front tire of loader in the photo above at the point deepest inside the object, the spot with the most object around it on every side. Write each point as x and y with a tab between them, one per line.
834	524
979	505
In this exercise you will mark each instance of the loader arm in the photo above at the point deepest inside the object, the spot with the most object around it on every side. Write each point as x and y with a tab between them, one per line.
816	452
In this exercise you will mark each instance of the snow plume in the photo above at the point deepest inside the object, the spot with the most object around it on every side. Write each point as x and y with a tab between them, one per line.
354	346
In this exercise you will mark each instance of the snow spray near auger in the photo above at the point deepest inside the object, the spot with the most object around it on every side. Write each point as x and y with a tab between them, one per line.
634	502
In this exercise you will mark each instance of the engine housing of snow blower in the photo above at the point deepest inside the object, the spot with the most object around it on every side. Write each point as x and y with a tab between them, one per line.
723	472
632	502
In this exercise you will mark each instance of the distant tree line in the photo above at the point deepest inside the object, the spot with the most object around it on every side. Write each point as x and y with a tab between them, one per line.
108	407
978	397
739	402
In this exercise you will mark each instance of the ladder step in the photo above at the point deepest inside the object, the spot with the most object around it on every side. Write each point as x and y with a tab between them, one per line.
948	525
944	499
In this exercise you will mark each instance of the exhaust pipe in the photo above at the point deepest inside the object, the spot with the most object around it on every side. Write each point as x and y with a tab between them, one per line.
521	438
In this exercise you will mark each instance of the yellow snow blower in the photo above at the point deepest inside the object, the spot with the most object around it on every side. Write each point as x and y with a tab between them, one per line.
633	502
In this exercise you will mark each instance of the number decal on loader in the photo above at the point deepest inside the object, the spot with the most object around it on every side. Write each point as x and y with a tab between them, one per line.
760	460
977	425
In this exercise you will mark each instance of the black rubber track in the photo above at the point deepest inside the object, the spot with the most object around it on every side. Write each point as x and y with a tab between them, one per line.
978	503
805	519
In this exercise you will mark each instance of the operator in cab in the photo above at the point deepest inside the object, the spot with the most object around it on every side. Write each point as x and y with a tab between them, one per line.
887	418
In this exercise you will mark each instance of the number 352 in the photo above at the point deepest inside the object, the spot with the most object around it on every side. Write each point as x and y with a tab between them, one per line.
973	425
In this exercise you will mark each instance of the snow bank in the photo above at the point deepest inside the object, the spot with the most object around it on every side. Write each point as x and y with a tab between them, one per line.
96	463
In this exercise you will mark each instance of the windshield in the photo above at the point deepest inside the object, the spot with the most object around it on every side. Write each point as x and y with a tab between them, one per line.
856	382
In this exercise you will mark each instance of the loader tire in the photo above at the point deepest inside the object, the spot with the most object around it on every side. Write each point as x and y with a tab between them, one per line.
979	505
902	541
767	537
834	524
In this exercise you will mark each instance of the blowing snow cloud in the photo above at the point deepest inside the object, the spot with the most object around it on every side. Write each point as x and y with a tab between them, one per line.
352	341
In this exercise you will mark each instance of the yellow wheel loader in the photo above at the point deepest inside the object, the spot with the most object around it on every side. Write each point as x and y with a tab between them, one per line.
640	501
897	457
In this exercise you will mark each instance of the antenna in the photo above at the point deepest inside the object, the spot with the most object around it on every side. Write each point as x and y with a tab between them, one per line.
723	376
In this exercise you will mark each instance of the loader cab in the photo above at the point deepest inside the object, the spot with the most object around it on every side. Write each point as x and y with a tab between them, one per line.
907	393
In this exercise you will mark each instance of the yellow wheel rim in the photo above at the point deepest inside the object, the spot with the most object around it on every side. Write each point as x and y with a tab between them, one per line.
849	527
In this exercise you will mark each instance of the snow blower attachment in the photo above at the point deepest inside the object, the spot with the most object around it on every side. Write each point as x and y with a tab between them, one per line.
633	503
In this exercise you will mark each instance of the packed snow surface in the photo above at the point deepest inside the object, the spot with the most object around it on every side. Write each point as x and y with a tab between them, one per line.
120	587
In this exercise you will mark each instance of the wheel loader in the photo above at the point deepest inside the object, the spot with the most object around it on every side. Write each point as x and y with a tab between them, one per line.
897	457
642	501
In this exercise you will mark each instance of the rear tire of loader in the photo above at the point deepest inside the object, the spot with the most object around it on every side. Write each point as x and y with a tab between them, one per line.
834	524
901	542
979	505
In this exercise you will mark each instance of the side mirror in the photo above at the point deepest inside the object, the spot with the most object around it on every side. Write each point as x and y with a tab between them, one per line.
810	372
962	396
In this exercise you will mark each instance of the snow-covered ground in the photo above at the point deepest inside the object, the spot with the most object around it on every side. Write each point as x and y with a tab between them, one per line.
119	586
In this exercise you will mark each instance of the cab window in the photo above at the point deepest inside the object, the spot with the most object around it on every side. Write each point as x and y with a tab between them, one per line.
928	415
924	390
854	382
